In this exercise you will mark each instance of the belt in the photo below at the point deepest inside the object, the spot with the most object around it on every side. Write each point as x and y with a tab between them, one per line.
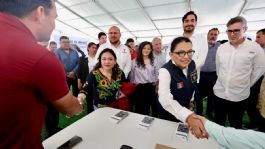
208	73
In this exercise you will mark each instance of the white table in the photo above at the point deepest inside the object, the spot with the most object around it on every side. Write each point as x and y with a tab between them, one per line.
98	132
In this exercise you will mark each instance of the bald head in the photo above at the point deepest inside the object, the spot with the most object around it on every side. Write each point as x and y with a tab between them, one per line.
114	35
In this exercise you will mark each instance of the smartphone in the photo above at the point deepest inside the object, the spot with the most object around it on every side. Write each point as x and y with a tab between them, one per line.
183	128
148	120
182	131
70	143
126	147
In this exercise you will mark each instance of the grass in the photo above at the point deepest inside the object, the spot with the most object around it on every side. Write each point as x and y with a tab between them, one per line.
64	121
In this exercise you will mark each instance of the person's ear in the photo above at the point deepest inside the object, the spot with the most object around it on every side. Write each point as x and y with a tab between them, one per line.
39	14
245	29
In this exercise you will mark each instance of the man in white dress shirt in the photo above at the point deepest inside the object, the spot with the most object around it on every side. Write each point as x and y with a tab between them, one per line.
239	64
199	41
122	52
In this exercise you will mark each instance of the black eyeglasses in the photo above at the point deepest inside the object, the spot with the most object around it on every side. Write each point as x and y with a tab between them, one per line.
235	31
183	53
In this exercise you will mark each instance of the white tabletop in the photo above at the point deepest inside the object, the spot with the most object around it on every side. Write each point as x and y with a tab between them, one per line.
98	132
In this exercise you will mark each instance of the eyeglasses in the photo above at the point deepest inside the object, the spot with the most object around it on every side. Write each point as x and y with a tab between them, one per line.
183	53
235	31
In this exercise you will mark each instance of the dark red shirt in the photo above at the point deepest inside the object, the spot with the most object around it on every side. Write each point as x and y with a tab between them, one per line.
30	77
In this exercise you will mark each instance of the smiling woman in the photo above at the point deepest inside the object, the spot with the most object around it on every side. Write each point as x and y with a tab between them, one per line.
103	84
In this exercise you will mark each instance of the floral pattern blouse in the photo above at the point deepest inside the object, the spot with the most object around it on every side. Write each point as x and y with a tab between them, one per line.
100	89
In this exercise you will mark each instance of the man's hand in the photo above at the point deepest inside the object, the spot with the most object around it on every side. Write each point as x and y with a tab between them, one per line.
196	126
201	118
71	74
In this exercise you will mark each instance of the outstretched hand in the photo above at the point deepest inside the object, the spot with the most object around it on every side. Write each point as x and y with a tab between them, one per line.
196	126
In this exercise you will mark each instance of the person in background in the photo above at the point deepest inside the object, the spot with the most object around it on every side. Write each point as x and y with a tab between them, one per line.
52	46
208	76
70	59
260	39
121	51
78	50
86	65
239	64
131	45
144	74
177	84
159	56
31	76
231	138
103	84
102	38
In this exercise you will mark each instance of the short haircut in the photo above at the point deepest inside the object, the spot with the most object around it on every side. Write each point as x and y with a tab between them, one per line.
63	37
90	44
214	29
129	40
101	34
22	8
261	31
155	39
52	42
187	14
237	19
178	40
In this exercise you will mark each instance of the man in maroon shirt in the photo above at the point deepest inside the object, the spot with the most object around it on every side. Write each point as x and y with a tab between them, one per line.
27	80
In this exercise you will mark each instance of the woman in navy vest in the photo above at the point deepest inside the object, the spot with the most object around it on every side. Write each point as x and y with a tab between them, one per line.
177	84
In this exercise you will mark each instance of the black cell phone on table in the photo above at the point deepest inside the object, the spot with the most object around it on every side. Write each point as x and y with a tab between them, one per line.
126	147
70	143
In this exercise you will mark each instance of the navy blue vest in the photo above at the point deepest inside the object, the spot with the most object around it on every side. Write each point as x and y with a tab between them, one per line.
182	87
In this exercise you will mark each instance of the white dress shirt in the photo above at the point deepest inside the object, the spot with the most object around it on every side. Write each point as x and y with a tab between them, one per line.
123	56
91	62
166	98
238	69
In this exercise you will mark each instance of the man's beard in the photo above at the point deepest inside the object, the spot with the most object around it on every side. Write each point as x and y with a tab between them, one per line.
189	30
114	42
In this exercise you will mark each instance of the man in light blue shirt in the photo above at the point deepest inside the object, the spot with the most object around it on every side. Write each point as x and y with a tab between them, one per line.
231	138
70	60
208	75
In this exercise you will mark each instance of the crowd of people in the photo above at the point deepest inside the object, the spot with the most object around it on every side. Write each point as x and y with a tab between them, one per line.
168	84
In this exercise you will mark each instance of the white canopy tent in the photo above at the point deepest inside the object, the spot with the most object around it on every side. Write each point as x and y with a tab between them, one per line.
145	19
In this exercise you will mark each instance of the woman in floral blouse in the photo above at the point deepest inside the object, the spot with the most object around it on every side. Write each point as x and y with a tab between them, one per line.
103	84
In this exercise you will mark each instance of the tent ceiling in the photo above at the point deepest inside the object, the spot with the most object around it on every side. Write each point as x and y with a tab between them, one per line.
145	19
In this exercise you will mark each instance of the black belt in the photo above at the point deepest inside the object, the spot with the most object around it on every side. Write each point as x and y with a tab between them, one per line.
208	73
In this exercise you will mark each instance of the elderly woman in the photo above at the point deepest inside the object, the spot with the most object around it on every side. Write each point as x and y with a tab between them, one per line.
177	83
103	84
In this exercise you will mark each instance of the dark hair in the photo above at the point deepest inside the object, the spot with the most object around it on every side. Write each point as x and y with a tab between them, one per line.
76	47
90	44
189	13
178	40
214	29
63	37
115	69
129	40
262	31
139	58
237	19
52	42
21	8
101	34
222	41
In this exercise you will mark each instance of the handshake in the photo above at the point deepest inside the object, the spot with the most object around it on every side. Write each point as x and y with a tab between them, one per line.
196	126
